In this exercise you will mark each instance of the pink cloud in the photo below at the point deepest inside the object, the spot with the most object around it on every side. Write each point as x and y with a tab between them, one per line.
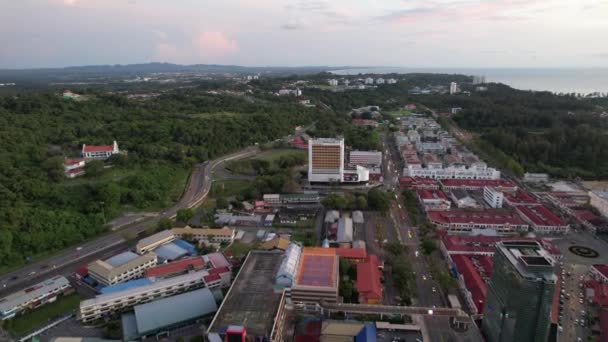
214	44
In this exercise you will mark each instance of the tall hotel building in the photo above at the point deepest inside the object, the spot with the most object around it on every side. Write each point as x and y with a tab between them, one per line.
325	160
519	294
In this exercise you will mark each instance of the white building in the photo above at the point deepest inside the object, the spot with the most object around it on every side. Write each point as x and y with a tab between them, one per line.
599	200
32	297
391	81
452	172
365	158
107	304
212	235
99	152
325	160
380	81
121	267
369	81
359	174
345	230
296	92
333	82
73	167
493	197
536	177
346	82
453	88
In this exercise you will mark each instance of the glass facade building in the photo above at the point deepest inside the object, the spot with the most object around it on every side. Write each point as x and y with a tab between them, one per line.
519	293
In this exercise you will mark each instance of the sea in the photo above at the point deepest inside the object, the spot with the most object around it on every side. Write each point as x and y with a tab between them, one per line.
562	80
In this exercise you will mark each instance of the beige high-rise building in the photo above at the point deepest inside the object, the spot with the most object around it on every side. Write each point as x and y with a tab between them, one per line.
325	160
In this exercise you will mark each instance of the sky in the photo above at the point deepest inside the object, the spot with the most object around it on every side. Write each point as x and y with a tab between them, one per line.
400	33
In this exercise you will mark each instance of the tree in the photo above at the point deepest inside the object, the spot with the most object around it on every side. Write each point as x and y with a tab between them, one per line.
164	224
361	202
291	186
184	215
94	168
221	203
54	168
428	246
378	200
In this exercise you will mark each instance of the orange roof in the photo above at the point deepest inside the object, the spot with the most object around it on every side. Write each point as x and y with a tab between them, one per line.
368	278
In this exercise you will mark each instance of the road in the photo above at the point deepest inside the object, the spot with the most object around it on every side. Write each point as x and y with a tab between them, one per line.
66	262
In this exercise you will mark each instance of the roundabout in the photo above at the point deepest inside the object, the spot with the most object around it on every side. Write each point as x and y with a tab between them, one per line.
583	251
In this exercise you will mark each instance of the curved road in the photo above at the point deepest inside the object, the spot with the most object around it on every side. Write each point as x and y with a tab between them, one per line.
66	262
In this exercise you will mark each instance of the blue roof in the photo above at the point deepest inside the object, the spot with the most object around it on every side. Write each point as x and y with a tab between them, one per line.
121	259
170	251
126	285
367	334
187	246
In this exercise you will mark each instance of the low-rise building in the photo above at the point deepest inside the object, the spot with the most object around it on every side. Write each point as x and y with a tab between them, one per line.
542	220
107	304
333	82
433	200
121	267
462	199
33	297
520	198
599	272
478	184
345	230
99	151
599	200
464	221
452	173
365	158
317	277
73	167
493	197
368	282
536	177
209	235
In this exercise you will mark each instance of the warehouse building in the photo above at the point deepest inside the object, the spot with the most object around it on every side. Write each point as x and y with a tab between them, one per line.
252	300
33	297
167	313
121	267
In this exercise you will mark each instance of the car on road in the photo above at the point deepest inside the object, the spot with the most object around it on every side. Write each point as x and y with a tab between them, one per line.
32	273
434	289
14	277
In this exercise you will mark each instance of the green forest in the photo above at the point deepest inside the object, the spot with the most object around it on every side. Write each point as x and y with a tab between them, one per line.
41	211
562	135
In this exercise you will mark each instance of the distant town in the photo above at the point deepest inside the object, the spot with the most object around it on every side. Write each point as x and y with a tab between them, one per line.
373	217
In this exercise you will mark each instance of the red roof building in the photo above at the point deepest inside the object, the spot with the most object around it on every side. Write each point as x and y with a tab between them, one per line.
478	184
464	221
418	183
475	285
100	151
73	167
485	245
520	198
542	220
433	199
299	143
175	268
352	254
599	272
368	281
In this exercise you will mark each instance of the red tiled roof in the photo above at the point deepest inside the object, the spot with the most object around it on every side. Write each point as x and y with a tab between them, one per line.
487	216
431	194
486	244
351	253
219	270
600	292
99	148
217	259
472	280
68	162
368	279
520	197
584	214
416	182
603	269
174	267
478	183
603	322
211	277
541	215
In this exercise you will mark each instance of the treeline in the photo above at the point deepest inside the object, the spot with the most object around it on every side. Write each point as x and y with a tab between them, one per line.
40	211
561	135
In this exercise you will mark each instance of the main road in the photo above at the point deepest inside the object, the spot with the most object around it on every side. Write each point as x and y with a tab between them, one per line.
67	261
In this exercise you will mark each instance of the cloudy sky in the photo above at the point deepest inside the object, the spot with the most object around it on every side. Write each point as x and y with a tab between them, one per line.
409	33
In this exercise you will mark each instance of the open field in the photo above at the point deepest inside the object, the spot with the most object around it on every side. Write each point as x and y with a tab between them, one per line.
24	324
272	155
229	187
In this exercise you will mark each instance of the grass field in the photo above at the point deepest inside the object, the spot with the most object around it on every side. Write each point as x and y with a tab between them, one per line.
244	166
24	324
272	155
401	112
229	187
109	175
